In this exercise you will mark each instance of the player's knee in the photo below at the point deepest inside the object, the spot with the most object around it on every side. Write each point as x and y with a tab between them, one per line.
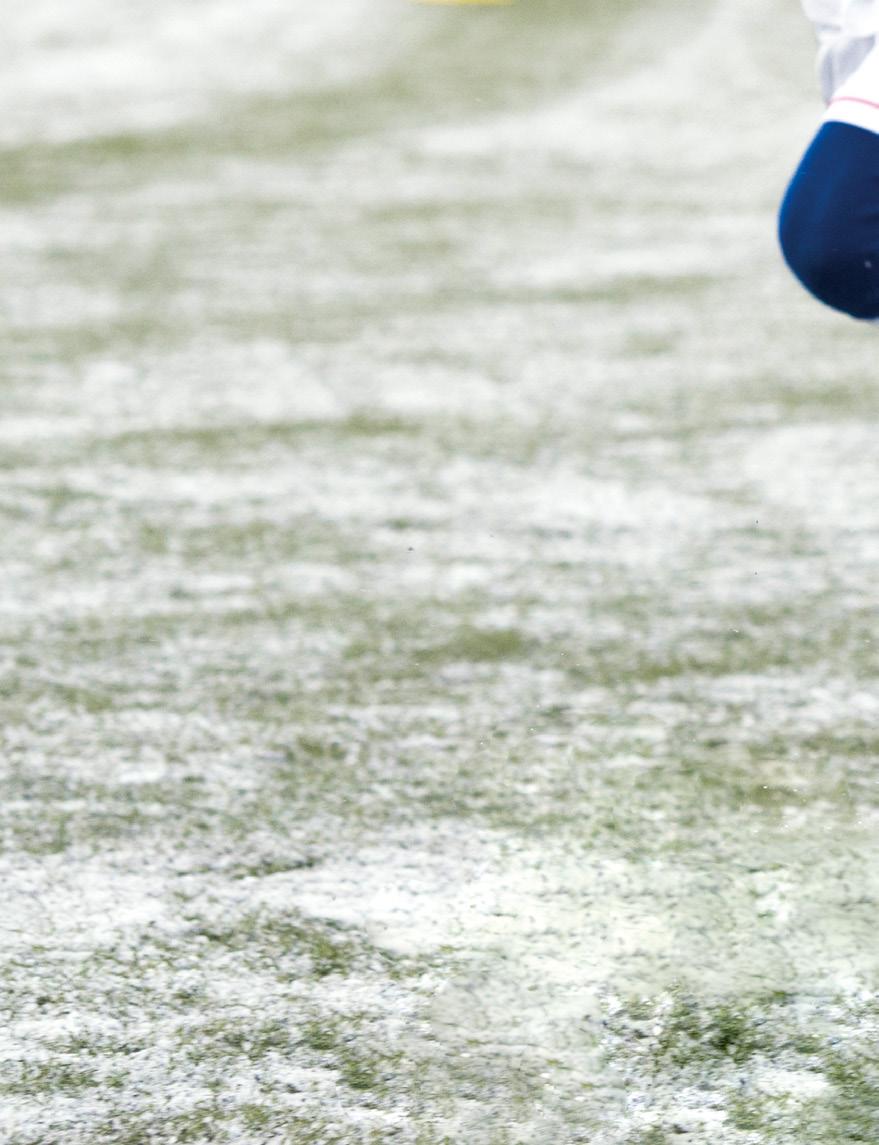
832	265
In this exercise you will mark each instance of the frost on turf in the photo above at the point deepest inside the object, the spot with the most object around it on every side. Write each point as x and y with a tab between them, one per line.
437	675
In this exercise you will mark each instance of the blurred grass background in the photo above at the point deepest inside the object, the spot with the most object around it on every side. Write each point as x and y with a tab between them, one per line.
438	677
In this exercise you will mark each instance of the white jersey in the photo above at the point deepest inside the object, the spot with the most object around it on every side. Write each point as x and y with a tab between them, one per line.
850	17
847	31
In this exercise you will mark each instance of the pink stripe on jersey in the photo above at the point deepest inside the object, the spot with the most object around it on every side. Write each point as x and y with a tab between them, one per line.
854	99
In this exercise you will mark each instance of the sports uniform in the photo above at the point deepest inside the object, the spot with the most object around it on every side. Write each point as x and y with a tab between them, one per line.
829	222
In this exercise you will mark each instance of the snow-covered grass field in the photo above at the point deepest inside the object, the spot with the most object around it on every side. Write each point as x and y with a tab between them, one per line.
440	689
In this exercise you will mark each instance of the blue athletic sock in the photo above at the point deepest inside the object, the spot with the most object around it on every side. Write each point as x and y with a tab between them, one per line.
829	220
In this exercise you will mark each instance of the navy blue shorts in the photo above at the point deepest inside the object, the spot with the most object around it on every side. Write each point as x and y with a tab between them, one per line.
829	221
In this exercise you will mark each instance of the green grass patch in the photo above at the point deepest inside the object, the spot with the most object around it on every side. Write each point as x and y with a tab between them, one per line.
49	1079
271	942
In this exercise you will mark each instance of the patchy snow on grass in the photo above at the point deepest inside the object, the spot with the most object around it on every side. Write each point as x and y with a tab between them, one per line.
96	67
438	684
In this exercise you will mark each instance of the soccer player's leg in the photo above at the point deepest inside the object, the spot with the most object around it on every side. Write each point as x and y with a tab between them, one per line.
829	222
